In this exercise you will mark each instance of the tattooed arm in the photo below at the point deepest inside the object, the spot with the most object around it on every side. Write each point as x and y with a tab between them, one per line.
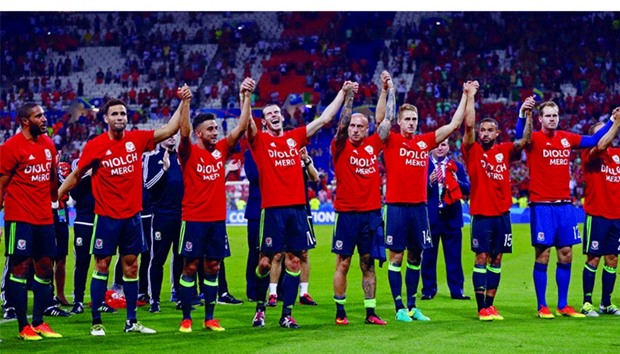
345	119
390	112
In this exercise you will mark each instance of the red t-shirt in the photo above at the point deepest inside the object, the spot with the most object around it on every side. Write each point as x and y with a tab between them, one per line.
602	177
28	164
406	161
489	173
548	159
280	175
358	183
204	179
117	172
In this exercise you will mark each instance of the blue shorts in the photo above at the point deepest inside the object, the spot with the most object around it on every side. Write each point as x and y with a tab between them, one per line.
602	236
353	229
62	237
109	233
406	227
491	234
82	235
28	240
554	225
285	229
204	239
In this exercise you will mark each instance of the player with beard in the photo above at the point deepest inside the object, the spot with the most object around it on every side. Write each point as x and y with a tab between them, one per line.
284	223
28	185
488	164
116	162
203	230
602	226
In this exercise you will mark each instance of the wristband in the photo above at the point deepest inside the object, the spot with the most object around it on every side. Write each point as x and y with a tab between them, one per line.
55	205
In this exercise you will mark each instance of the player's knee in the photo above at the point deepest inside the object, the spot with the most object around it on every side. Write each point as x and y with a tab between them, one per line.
611	260
213	266
20	266
481	259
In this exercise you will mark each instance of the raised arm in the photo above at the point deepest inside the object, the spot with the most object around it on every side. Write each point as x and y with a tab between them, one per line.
528	105
245	90
172	127
330	111
526	139
390	113
386	83
185	127
609	136
345	119
470	115
444	131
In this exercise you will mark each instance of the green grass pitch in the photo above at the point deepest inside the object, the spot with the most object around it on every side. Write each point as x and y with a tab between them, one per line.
454	327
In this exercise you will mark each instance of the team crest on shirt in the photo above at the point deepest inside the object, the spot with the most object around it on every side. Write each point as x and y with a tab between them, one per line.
338	245
157	236
540	237
189	246
268	241
474	243
499	158
21	245
422	145
48	154
216	154
565	142
98	243
369	149
594	245
291	142
616	158
389	239
130	147
78	241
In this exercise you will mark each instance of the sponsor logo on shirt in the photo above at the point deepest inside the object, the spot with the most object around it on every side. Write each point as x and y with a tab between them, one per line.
108	153
284	158
38	172
557	157
413	157
31	157
209	172
121	165
272	144
21	245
